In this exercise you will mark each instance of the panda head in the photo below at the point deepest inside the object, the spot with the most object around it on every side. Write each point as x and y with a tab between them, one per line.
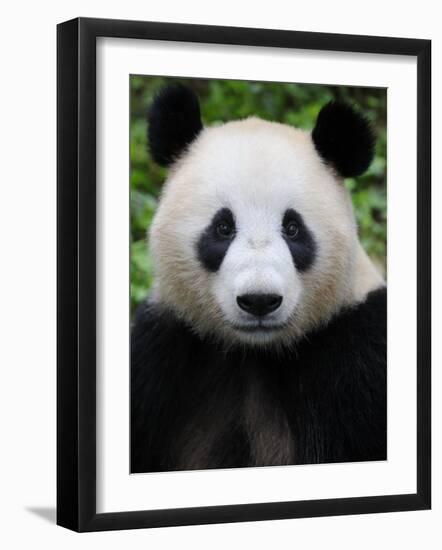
254	240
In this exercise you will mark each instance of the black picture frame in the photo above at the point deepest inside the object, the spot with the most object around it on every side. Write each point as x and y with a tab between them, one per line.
76	272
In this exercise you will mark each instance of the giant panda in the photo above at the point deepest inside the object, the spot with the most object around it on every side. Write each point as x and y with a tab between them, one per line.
263	341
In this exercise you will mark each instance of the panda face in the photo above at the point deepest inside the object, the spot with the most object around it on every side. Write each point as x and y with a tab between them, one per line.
256	254
254	238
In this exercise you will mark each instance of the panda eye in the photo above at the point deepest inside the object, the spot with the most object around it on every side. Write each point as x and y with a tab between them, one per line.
291	229
224	229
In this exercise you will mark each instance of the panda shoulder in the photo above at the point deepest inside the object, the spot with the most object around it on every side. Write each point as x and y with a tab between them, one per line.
372	311
157	336
356	333
363	325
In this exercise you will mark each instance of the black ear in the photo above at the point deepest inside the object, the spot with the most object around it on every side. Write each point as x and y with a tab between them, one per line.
344	138
174	122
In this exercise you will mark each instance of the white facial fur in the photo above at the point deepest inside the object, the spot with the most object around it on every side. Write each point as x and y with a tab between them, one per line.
258	261
258	170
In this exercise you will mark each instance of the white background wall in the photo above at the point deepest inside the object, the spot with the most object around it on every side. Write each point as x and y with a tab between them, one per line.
27	272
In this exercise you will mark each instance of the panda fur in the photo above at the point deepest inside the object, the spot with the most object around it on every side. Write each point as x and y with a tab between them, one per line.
211	388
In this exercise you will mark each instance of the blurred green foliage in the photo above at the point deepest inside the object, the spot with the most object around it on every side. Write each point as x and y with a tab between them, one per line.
224	100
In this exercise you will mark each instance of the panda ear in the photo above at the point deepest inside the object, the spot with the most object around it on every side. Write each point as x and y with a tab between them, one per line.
174	121
344	138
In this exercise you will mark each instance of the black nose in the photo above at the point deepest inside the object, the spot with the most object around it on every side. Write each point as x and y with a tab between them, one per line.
259	304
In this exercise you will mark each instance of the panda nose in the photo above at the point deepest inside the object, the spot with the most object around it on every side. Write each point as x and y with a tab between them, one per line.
259	304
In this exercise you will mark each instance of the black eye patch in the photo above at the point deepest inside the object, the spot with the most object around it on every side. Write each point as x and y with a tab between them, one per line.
214	242
302	245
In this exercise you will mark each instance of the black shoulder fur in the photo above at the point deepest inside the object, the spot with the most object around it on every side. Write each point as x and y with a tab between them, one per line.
195	406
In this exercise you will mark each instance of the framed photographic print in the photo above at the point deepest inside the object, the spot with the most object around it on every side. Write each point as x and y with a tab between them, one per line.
232	206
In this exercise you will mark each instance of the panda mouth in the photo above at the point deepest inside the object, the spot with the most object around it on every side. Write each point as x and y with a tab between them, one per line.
258	327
